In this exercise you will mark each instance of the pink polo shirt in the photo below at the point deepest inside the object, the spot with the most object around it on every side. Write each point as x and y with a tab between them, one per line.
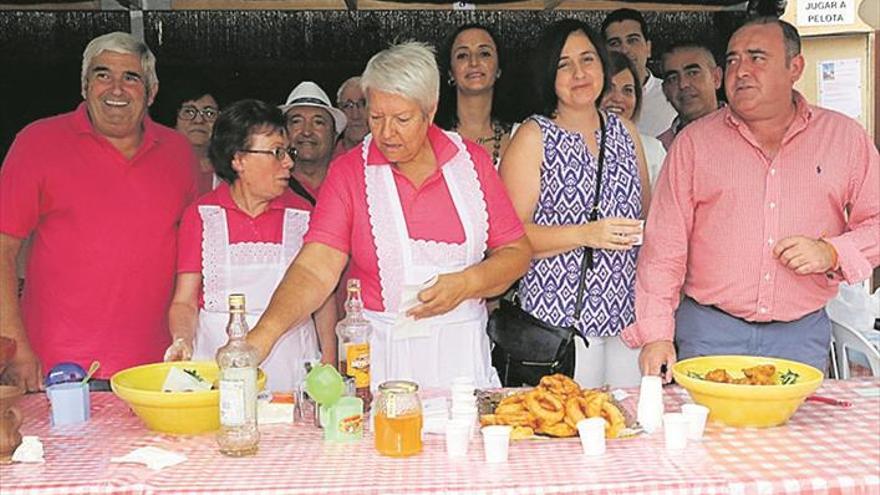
101	268
266	227
341	220
720	206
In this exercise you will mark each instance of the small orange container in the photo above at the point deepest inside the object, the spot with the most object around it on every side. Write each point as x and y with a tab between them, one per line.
398	422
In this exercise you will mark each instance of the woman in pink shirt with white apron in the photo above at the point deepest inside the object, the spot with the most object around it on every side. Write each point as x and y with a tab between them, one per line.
240	238
424	222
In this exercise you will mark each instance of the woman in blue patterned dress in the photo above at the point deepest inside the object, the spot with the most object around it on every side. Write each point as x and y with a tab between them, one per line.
550	171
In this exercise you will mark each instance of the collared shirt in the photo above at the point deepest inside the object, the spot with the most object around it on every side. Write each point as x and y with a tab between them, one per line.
721	206
265	227
668	135
101	269
341	219
656	113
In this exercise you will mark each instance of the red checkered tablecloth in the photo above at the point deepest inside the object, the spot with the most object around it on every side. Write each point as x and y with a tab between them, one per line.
823	449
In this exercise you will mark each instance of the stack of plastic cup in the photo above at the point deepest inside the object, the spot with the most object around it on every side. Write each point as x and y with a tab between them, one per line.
464	402
650	408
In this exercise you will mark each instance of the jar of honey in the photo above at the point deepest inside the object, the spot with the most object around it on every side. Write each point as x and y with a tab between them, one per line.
398	419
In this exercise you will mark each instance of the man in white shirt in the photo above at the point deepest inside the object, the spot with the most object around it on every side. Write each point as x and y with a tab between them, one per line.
625	31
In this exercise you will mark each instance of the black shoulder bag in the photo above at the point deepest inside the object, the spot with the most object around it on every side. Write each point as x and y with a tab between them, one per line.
526	348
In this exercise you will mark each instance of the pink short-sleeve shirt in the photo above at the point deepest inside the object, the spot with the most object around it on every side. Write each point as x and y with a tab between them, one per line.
100	273
341	218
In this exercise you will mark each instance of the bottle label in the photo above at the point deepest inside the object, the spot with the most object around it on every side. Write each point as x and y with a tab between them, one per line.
357	363
238	396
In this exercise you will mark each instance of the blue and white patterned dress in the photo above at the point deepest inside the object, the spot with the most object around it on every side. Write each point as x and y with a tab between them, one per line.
568	180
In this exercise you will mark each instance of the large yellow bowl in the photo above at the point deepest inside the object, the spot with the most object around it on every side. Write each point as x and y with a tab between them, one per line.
747	405
172	412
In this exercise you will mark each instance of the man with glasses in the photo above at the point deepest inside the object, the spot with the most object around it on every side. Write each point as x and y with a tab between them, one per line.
312	125
690	80
350	99
101	190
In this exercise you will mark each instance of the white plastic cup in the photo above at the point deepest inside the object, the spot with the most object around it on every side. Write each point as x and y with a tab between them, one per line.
649	412
70	403
466	414
696	416
458	436
496	443
675	431
592	433
639	238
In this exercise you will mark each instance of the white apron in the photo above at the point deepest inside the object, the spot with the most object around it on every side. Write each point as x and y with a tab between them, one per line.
254	269
453	344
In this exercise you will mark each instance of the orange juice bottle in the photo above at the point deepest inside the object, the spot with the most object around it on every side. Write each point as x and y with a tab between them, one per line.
398	423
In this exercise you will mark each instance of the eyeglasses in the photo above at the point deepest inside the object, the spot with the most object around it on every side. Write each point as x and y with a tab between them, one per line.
278	153
190	113
350	104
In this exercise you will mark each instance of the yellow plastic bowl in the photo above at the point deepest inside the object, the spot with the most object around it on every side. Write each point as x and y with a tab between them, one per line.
747	405
172	412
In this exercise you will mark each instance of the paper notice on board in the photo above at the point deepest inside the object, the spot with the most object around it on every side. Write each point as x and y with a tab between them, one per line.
826	12
840	85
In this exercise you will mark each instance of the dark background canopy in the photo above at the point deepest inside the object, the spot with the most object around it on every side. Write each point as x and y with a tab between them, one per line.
264	54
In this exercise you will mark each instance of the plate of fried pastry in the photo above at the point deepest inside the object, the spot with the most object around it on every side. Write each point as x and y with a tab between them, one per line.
552	409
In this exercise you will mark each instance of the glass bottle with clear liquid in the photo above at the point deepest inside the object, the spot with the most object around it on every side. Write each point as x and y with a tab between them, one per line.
237	360
354	342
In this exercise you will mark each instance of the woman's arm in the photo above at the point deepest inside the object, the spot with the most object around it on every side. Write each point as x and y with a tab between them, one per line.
305	287
521	172
325	323
183	316
490	277
642	162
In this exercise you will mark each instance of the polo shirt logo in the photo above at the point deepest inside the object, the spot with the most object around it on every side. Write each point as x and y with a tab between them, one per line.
818	169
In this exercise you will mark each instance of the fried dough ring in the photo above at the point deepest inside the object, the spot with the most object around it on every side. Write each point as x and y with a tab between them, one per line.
546	407
522	418
522	432
511	408
513	399
488	420
614	420
560	385
575	410
595	402
560	430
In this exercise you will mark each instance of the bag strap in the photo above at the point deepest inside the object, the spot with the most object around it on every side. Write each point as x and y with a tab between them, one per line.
587	263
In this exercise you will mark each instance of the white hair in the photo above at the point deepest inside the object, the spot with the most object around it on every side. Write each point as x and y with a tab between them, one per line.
408	69
120	42
350	80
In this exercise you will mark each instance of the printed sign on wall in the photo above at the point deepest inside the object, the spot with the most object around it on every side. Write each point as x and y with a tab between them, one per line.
826	12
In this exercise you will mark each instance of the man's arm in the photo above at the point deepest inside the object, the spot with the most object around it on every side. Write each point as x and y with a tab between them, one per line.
663	261
25	365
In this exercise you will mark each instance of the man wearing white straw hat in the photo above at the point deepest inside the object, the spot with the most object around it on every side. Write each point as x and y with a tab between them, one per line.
312	125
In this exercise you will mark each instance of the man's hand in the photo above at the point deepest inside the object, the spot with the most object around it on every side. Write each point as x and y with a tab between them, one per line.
804	256
26	368
654	355
444	296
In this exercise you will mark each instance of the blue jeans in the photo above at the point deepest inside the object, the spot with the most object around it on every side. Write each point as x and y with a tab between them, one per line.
706	330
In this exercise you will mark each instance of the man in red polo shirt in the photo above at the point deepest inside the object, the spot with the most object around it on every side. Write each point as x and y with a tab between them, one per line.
101	190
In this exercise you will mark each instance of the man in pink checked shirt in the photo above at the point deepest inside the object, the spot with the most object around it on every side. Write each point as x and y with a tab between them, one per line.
762	208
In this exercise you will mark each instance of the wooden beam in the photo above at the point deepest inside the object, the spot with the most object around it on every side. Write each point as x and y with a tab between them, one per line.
261	4
612	5
551	4
86	5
